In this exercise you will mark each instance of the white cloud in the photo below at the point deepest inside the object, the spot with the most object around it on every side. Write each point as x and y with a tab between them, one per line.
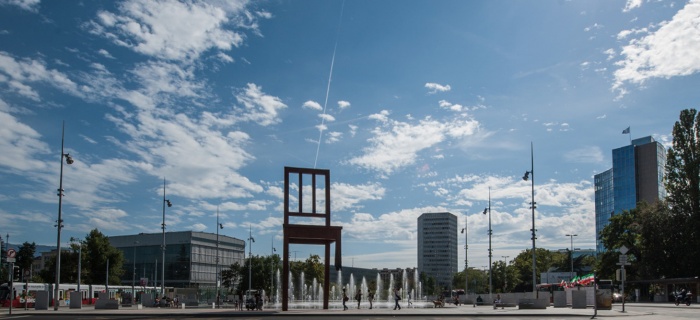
668	52
321	127
610	53
259	107
313	105
29	5
347	196
224	57
631	4
396	144
343	104
436	87
334	137
198	227
158	77
19	75
450	106
353	130
21	144
326	117
595	26
382	116
146	27
105	53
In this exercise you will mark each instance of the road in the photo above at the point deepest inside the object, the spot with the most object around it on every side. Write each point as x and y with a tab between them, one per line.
633	311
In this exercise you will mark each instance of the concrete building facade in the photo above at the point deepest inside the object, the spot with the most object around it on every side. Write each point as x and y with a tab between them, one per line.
437	247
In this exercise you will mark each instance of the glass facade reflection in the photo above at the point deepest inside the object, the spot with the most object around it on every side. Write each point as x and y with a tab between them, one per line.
637	175
190	257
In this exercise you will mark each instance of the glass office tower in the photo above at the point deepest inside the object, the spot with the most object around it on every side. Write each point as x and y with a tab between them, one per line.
637	175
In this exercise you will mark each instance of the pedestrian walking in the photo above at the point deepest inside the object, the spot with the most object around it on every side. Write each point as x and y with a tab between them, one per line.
397	297
358	297
345	299
370	297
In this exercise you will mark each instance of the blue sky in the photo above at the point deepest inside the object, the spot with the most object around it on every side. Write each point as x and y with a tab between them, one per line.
429	104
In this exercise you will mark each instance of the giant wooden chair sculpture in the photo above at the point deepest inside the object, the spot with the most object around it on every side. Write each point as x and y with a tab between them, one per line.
309	234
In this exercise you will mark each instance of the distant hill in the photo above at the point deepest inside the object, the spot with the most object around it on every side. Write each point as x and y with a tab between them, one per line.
39	248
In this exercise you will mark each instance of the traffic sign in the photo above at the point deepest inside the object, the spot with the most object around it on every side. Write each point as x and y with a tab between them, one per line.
623	261
11	253
623	250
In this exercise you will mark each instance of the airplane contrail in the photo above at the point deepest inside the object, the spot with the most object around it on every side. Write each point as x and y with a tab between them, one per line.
328	87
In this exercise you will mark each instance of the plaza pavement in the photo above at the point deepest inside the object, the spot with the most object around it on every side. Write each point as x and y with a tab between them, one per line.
447	311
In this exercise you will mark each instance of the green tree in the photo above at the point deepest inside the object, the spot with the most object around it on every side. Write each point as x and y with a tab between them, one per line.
235	277
430	286
683	187
622	229
68	268
478	281
25	256
101	253
657	242
522	265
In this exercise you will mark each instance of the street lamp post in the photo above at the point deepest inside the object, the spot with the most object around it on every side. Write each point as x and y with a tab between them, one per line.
162	246
490	250
59	222
466	258
133	275
218	278
250	259
571	276
505	273
531	175
272	267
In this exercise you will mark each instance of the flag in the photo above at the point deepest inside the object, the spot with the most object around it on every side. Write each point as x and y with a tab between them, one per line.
626	131
587	279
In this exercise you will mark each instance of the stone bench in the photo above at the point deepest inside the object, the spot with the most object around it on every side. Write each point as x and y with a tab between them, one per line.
503	305
533	304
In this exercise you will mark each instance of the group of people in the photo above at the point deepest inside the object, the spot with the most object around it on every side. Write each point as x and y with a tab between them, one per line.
370	298
167	302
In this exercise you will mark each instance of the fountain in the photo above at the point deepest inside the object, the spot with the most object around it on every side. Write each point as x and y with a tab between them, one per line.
303	296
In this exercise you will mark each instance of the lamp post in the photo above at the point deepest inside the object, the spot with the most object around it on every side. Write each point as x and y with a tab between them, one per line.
505	273
490	251
162	246
250	259
466	259
218	226
272	267
59	222
571	276
531	176
133	276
